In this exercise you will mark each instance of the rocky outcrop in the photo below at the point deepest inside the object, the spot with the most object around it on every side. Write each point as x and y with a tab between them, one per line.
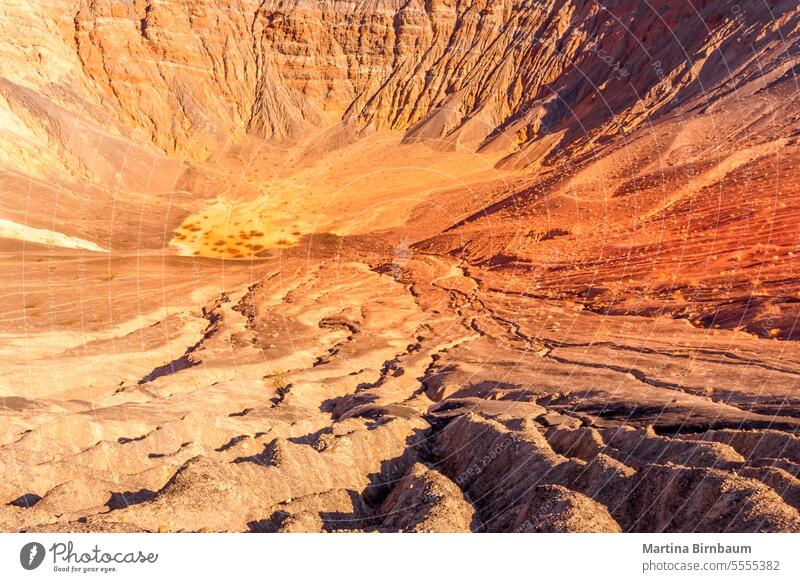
190	77
427	501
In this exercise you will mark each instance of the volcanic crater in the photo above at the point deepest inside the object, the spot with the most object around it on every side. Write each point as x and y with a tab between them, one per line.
399	265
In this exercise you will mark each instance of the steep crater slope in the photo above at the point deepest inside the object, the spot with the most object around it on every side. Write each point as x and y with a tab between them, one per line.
191	76
103	98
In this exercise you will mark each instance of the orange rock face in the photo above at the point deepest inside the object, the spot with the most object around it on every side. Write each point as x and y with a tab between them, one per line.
436	265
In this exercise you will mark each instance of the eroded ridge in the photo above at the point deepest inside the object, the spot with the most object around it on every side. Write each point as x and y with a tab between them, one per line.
353	394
